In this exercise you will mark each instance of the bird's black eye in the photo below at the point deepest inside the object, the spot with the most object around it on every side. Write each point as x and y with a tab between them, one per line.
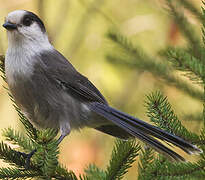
27	21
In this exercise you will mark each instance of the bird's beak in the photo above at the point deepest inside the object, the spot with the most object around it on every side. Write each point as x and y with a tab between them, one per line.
10	26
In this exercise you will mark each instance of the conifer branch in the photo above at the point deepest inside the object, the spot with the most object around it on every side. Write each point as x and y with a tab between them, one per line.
93	172
14	173
188	5
160	112
137	59
180	170
12	157
2	59
160	168
146	160
203	37
18	138
151	171
186	28
202	138
184	61
63	173
31	130
204	107
44	162
47	155
123	155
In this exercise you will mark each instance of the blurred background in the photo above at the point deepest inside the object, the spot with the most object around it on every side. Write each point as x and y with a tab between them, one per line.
77	28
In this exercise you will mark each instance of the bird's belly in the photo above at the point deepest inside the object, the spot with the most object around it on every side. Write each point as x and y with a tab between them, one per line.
35	108
46	109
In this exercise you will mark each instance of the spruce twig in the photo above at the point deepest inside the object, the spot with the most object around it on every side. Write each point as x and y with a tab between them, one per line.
123	155
18	138
93	172
184	61
160	112
138	60
188	5
186	28
146	160
14	173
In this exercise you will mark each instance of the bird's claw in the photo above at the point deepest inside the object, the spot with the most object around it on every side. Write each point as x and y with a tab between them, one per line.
27	157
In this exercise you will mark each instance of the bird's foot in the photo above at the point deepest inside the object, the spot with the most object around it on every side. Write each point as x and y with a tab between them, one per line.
60	139
27	157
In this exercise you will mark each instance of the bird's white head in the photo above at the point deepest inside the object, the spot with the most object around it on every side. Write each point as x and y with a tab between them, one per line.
27	39
24	28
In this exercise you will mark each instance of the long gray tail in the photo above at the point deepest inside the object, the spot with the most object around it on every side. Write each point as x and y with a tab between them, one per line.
145	131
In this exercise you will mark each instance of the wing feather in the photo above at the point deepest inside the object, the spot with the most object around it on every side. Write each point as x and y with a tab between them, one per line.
60	70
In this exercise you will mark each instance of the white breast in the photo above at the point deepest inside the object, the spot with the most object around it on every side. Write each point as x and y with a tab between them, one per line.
20	58
17	62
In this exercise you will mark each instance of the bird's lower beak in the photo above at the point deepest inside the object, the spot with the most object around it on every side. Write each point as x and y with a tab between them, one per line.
10	26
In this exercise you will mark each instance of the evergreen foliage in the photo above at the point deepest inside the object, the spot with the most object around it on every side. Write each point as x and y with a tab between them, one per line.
160	113
135	58
189	59
93	172
123	155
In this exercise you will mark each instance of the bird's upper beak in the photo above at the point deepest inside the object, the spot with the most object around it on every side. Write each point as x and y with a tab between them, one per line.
9	26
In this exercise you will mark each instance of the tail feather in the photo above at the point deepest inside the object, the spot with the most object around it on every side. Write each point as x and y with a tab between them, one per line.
157	132
144	131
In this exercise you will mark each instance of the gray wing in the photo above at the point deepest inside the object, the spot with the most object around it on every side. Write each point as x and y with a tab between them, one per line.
61	72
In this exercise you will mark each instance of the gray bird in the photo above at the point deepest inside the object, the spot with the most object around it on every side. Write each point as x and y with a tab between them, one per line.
53	94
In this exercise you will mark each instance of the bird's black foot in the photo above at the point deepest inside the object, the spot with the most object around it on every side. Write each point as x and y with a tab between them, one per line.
27	157
60	139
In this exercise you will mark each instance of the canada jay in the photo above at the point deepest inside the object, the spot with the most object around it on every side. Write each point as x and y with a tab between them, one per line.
53	94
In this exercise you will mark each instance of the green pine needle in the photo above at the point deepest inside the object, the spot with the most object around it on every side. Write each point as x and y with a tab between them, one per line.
136	59
123	155
93	172
160	168
13	173
46	156
184	61
16	137
31	130
185	27
160	112
2	58
191	8
146	160
63	173
11	156
167	170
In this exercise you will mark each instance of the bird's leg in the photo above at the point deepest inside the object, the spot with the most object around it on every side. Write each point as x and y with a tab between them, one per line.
64	129
27	157
60	138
